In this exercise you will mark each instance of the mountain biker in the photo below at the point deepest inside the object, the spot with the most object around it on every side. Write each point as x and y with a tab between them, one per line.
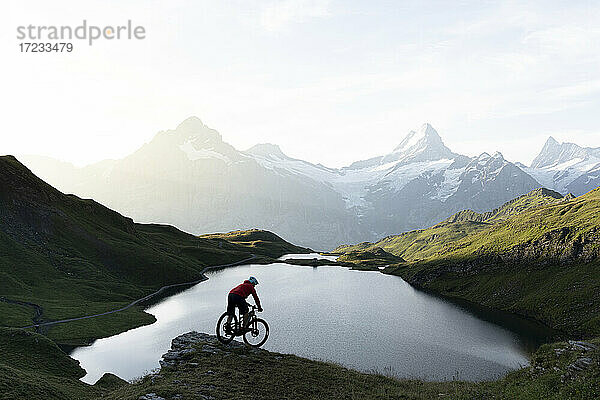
237	298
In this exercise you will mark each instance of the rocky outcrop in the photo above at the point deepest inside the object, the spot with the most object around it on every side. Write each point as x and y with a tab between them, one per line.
558	245
183	347
186	354
151	396
572	359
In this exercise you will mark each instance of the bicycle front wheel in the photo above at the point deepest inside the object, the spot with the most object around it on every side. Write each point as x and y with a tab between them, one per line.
257	334
226	334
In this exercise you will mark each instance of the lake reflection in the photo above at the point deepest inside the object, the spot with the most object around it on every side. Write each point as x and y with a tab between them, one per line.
363	320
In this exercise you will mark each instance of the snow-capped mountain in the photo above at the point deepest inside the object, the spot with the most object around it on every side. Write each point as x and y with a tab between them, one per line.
419	153
191	178
566	167
422	145
419	183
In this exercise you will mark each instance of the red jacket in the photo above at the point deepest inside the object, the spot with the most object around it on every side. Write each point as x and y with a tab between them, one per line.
246	289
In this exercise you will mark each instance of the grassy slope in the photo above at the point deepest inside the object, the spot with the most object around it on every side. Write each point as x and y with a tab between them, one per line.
551	376
33	367
575	221
260	242
75	257
244	373
429	242
542	262
535	198
566	299
369	259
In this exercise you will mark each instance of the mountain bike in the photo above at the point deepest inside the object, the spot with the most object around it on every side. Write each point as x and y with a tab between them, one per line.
256	334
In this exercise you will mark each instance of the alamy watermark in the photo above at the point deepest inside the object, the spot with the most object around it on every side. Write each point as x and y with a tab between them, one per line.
85	31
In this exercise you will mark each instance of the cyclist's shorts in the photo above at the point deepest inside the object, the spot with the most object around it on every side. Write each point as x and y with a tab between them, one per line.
235	300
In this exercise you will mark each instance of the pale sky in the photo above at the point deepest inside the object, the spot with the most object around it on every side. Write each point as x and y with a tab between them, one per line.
329	81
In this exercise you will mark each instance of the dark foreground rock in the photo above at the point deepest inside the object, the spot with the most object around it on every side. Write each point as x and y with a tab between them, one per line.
183	347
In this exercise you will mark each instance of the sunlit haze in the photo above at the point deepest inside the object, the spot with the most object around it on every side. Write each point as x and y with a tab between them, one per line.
329	81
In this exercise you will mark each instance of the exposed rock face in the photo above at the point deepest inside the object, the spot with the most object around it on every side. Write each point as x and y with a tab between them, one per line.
557	245
183	346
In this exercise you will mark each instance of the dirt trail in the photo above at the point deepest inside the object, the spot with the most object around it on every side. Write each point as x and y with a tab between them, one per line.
38	320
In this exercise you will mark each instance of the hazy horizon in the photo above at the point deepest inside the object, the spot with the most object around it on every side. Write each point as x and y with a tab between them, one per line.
534	151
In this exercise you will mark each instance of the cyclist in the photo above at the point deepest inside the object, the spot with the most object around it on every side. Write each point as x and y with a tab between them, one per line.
237	298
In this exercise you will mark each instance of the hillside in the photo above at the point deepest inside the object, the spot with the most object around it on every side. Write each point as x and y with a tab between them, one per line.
64	257
565	231
429	242
536	256
369	259
535	198
199	367
260	242
542	263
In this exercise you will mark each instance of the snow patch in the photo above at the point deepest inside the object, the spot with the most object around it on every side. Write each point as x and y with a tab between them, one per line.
194	154
559	176
449	185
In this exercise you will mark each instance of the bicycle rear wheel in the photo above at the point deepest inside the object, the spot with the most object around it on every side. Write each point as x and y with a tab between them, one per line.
226	336
258	333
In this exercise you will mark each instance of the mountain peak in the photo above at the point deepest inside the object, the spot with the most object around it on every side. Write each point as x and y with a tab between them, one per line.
425	144
193	129
551	142
554	153
192	137
268	150
428	129
425	135
192	123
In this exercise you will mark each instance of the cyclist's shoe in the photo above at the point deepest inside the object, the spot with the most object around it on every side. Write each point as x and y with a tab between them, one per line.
228	330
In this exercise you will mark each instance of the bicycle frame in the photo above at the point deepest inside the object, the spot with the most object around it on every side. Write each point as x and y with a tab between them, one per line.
257	328
239	320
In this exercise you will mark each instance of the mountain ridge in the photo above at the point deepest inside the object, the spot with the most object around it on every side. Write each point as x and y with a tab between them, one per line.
430	242
189	177
567	167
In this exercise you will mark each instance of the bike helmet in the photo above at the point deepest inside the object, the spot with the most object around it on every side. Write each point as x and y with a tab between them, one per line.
253	280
